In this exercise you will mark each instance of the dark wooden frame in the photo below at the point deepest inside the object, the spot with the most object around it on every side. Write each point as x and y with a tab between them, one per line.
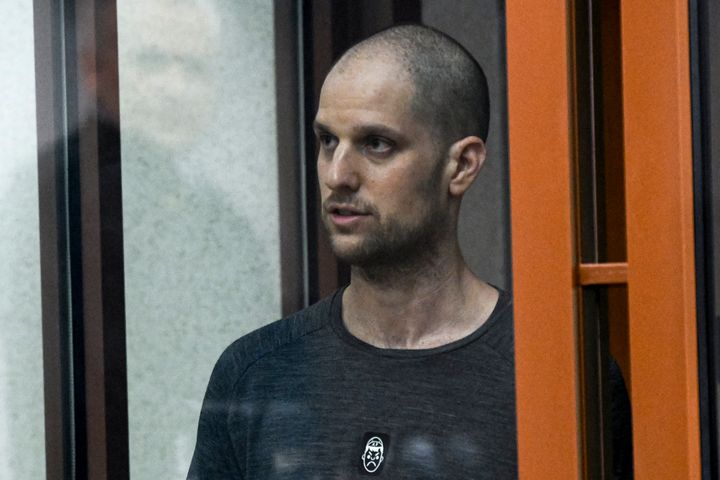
59	431
289	70
81	240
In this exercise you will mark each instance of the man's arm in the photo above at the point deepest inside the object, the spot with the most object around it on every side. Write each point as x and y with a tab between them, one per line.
214	457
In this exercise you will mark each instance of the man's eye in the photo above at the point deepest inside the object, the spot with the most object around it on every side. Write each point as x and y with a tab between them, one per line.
379	145
326	141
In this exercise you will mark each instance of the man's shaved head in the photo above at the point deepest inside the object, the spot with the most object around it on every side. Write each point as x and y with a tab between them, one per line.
450	89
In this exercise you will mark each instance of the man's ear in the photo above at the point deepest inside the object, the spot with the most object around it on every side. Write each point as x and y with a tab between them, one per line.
467	157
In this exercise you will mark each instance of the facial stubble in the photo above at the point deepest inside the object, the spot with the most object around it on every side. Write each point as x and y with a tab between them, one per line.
398	245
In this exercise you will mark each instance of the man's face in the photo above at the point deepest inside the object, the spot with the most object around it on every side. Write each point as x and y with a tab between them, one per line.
384	196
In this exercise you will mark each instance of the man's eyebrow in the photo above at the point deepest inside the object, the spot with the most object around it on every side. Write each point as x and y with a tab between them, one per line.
376	129
317	126
362	130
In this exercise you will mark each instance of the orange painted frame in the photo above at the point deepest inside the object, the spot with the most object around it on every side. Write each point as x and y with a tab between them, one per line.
602	273
541	201
659	215
659	206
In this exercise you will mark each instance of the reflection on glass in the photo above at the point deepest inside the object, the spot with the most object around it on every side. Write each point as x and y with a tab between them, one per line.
197	103
22	443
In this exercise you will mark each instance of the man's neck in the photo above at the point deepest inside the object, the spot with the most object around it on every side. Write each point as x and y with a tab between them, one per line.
433	304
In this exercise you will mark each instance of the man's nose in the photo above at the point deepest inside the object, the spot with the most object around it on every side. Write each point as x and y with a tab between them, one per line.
342	172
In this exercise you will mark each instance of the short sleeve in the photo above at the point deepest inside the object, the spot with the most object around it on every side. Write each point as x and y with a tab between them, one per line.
214	456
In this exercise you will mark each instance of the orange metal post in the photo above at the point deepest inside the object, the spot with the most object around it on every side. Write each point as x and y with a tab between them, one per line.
659	209
542	240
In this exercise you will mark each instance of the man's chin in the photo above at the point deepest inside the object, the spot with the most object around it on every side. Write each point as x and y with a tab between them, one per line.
350	251
381	250
351	256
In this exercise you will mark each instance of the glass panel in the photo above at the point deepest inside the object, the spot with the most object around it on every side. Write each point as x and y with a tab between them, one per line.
200	201
22	420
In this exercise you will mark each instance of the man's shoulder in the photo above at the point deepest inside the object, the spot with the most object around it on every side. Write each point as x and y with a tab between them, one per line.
271	338
499	328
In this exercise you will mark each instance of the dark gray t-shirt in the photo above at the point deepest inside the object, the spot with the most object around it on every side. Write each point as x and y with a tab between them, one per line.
303	399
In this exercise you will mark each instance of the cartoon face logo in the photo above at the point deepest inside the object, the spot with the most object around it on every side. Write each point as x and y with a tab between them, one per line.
373	455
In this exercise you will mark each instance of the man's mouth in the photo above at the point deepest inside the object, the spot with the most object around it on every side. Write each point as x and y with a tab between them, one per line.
345	215
344	210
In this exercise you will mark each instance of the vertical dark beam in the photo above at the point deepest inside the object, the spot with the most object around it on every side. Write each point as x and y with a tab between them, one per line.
290	156
320	51
312	35
701	68
74	237
614	338
613	194
599	356
101	242
57	367
591	237
81	240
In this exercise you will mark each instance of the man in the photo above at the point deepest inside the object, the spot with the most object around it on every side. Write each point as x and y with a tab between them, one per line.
408	372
